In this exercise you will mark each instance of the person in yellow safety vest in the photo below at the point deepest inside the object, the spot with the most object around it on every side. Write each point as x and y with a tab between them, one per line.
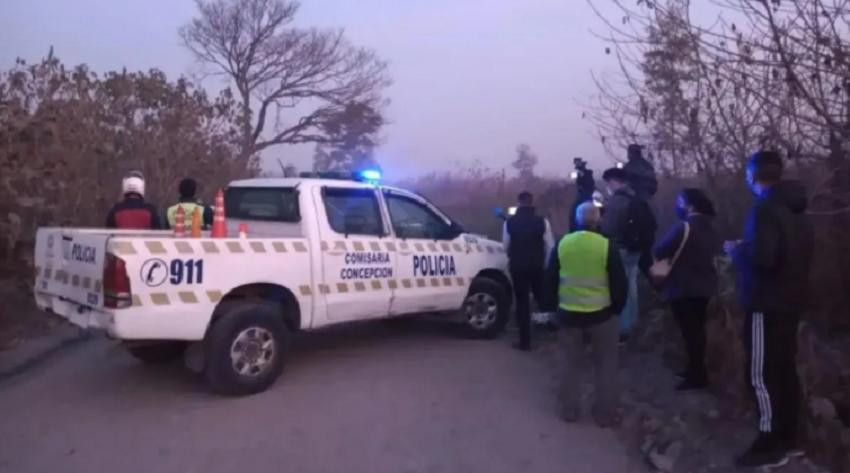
188	188
586	281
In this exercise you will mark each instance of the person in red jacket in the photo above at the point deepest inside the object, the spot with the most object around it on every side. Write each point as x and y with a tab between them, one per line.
133	213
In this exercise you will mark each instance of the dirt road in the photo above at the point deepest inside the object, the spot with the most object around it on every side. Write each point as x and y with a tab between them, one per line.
395	398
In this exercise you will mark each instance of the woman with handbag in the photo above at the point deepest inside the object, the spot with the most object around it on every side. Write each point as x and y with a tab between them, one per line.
685	270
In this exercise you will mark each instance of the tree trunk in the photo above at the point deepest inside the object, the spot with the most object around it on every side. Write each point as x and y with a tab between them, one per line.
840	224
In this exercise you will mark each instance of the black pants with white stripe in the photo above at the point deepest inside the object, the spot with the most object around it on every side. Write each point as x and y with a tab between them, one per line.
771	342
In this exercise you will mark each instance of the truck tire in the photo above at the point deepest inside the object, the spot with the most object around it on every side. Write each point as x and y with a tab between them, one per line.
158	353
486	309
245	348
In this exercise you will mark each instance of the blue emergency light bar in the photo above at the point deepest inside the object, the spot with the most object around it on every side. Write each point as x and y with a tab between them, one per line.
370	175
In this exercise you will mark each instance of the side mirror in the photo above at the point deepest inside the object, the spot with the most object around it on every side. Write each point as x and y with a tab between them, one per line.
457	229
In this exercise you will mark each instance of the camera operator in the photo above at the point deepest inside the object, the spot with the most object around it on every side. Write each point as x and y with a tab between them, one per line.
585	186
641	178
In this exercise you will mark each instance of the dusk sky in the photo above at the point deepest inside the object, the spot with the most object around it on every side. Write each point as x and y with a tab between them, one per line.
471	78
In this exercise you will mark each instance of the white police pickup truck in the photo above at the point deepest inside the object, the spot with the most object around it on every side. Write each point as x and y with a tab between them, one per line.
319	252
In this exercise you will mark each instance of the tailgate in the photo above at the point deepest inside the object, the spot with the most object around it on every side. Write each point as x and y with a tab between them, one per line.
69	265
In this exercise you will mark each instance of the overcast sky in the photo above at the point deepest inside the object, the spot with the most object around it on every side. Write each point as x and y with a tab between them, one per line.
471	78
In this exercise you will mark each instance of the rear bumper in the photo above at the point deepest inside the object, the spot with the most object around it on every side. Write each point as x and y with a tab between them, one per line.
132	323
78	314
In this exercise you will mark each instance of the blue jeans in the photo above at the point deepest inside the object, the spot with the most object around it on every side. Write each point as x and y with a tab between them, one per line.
628	317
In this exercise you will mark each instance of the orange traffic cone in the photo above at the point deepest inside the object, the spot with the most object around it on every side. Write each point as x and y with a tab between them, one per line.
196	223
243	230
219	229
180	223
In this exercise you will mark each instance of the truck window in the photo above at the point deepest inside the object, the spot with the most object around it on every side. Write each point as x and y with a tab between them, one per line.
272	204
353	211
412	219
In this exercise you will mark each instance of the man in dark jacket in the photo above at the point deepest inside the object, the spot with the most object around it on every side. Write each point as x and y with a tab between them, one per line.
640	172
620	223
773	261
527	238
133	213
586	281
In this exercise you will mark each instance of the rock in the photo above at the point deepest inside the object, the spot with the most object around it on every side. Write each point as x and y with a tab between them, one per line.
666	460
822	408
651	424
648	444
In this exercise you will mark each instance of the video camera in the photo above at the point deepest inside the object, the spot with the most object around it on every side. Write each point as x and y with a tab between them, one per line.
504	213
583	177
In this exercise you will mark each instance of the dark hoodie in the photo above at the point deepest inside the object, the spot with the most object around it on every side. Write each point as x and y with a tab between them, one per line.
774	258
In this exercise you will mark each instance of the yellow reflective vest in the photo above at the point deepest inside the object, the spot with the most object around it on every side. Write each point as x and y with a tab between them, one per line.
583	258
188	208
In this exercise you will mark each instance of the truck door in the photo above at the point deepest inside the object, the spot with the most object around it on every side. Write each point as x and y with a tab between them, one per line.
358	257
432	258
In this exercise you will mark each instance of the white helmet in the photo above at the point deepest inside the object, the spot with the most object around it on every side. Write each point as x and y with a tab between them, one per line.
598	199
133	183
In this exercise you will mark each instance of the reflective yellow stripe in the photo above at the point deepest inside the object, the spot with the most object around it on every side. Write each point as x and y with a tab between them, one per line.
234	247
584	282
123	248
160	298
183	247
156	247
574	300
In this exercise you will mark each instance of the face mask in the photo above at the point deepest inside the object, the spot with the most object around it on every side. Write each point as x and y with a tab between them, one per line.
682	212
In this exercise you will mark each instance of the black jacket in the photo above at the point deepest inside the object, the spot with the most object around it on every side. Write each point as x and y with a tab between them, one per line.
775	255
618	285
615	217
694	274
526	249
133	213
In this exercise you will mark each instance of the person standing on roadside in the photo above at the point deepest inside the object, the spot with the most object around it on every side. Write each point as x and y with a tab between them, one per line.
133	213
690	246
586	278
188	189
630	223
641	178
773	261
527	238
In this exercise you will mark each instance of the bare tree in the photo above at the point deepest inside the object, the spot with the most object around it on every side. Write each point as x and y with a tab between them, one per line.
525	162
294	79
761	74
352	138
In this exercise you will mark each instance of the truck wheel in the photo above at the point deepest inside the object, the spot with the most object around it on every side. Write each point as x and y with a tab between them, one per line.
486	308
159	352
245	349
